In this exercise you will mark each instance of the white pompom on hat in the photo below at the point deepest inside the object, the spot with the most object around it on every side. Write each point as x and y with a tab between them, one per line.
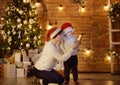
67	27
52	33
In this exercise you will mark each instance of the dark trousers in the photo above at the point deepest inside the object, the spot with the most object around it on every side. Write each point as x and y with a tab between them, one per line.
49	76
71	64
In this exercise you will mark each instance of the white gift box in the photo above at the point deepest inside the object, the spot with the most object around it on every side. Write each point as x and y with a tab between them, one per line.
25	59
11	71
17	56
20	72
19	64
26	64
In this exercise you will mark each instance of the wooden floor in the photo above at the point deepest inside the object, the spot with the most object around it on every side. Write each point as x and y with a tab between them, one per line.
84	79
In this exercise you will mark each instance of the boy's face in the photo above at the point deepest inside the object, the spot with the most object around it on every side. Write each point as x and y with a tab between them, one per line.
68	34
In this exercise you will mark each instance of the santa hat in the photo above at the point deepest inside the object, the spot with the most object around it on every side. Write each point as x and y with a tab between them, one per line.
67	27
52	33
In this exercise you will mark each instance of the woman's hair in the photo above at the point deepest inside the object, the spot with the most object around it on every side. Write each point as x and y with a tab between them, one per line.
57	34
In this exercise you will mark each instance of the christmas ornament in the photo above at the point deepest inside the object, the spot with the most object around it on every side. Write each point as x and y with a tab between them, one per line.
27	45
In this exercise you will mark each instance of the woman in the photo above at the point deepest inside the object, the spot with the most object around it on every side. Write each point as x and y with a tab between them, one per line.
51	55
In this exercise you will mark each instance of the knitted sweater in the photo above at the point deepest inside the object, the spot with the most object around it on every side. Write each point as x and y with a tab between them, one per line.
51	55
68	43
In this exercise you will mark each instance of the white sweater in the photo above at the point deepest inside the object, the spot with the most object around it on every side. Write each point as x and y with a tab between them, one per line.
51	56
68	43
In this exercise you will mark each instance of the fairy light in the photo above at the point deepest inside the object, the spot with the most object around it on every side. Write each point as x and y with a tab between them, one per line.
83	9
37	4
60	7
26	1
108	58
87	52
106	7
50	25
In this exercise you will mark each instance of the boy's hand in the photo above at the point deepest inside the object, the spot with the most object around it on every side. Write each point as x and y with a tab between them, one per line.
76	44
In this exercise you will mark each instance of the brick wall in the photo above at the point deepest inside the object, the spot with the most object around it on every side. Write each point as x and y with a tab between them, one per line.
2	6
93	23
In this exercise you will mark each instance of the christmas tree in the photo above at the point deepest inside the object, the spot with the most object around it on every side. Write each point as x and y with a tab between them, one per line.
19	27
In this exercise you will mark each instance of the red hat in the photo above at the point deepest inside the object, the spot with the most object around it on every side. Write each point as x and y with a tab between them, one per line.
67	27
52	33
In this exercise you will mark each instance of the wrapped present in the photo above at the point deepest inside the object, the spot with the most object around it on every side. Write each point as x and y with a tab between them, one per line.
17	56
10	70
19	64
20	72
26	59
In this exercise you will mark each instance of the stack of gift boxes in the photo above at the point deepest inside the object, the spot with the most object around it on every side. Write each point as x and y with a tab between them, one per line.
22	61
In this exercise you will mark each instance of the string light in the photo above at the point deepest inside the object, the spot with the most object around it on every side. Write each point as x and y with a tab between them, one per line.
83	9
108	58
60	7
106	7
50	25
87	51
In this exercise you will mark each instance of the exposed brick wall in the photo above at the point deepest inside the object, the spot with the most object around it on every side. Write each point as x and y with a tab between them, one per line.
2	6
93	23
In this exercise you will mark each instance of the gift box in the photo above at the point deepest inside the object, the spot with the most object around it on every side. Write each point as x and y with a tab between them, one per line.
19	64
26	64
10	70
26	59
17	56
20	72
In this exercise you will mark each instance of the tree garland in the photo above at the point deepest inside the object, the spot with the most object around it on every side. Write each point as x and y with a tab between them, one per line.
114	11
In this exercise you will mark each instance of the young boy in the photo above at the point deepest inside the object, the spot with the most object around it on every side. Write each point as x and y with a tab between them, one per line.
72	62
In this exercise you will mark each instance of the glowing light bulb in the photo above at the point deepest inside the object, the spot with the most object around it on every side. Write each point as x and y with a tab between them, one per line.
108	58
37	5
60	7
49	26
26	1
106	7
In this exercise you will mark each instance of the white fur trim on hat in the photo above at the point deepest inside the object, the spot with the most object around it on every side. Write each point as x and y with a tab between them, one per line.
68	29
55	33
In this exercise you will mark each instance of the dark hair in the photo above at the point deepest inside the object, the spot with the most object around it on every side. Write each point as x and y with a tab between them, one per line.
57	34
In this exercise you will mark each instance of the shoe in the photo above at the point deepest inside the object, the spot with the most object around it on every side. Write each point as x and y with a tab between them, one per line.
76	83
66	83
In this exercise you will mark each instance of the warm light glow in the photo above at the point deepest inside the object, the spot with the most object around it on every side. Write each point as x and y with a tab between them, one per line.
26	1
37	5
49	27
60	7
30	26
108	58
83	9
87	52
106	7
113	52
40	27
